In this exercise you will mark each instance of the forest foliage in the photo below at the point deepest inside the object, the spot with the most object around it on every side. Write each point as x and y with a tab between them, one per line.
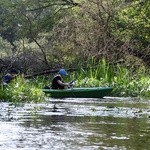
39	35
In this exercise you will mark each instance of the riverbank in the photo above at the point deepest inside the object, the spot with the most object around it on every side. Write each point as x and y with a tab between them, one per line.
22	90
125	82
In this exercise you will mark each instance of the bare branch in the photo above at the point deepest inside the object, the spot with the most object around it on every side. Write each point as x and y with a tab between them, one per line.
65	3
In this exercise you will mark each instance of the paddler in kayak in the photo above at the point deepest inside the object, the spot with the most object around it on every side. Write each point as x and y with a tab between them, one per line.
58	83
10	76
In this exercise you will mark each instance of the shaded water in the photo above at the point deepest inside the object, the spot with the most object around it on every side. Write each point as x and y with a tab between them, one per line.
77	124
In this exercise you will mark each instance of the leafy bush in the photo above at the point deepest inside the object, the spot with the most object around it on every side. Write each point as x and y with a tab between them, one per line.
21	90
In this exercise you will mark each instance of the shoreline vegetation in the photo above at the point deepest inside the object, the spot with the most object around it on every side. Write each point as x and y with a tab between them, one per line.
126	82
107	41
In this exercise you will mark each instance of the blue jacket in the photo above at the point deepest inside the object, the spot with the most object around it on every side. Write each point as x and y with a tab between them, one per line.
7	78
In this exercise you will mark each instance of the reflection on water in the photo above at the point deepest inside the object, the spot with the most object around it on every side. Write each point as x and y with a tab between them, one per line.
85	124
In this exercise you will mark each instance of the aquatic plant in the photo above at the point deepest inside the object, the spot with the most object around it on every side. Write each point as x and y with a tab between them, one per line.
97	74
22	90
125	81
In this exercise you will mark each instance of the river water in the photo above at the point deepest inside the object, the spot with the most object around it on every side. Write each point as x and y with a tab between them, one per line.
77	124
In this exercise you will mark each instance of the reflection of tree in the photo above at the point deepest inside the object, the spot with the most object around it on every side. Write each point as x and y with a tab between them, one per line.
42	120
118	132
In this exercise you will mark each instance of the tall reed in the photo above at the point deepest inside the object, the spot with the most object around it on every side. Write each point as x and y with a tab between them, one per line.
125	81
96	74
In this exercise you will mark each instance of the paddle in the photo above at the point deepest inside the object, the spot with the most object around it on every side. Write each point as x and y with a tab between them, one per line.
86	78
71	83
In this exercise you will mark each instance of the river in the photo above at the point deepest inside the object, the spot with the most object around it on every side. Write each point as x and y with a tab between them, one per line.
110	123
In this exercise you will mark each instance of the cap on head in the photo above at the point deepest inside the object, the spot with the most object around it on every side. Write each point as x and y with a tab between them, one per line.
14	71
62	72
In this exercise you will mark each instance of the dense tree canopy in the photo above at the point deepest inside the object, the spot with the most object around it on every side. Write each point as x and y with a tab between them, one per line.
40	34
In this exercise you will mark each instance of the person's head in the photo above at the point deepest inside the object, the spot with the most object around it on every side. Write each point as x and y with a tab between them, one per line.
13	71
62	72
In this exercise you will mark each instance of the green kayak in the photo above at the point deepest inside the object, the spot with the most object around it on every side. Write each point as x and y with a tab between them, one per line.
94	92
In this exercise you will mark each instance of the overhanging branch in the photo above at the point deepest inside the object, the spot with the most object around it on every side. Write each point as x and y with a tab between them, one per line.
65	3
